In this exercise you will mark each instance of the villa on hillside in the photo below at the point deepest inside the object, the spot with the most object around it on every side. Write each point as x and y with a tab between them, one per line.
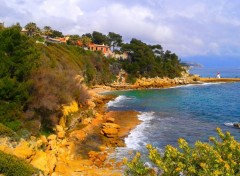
105	49
122	56
57	40
24	31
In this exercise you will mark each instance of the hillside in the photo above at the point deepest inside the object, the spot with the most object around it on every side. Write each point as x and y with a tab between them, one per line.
37	79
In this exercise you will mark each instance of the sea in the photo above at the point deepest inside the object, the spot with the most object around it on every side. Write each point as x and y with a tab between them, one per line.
192	112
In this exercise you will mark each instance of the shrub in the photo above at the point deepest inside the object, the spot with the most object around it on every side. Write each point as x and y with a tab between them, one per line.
5	131
13	166
220	157
136	167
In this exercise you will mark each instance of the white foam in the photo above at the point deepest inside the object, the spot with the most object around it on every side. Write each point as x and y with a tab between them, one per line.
228	123
196	85
213	83
231	124
117	101
138	136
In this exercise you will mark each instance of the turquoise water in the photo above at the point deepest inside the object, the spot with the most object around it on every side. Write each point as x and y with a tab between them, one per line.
192	112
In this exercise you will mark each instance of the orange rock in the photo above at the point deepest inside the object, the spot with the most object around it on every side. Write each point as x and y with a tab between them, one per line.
98	163
59	128
102	157
61	134
110	132
63	169
99	116
110	120
79	134
119	164
40	161
52	137
111	125
108	165
23	150
43	138
87	121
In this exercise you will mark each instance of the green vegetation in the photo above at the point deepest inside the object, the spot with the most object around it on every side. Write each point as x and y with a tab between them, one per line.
150	61
220	157
58	80
12	166
36	79
18	57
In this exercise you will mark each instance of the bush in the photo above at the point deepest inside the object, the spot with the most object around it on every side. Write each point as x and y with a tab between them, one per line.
136	167
5	131
18	58
220	157
13	166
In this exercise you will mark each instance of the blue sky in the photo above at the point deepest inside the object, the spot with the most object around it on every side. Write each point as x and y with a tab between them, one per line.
206	31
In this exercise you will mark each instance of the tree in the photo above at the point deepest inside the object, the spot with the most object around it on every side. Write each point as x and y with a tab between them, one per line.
56	33
18	56
141	57
115	40
18	25
150	61
86	41
31	27
157	49
88	35
99	38
73	39
47	30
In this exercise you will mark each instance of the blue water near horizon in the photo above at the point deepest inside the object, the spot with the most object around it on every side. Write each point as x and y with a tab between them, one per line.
192	112
226	72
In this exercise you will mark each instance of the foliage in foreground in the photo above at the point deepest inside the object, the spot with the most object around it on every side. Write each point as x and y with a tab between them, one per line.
13	166
220	157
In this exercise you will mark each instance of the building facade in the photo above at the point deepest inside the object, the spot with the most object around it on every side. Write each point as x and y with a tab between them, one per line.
103	48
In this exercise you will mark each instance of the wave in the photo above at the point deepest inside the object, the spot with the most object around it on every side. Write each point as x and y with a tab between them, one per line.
138	136
196	85
231	124
117	101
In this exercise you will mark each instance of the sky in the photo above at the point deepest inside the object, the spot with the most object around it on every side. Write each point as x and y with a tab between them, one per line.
204	31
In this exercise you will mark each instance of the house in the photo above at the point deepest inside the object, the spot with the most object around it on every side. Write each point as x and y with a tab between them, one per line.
103	48
24	31
57	40
122	56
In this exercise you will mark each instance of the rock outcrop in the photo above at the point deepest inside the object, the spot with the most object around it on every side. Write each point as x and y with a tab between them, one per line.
164	82
237	125
110	130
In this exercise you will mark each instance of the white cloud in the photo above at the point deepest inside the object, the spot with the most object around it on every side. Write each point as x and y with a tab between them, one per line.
186	27
61	9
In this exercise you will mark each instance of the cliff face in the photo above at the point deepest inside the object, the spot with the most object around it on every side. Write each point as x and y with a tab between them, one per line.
60	79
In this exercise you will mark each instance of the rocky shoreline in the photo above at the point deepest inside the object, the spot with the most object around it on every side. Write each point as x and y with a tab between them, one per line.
82	146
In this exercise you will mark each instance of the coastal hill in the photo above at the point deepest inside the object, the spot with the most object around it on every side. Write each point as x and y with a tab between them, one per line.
51	115
46	105
38	78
